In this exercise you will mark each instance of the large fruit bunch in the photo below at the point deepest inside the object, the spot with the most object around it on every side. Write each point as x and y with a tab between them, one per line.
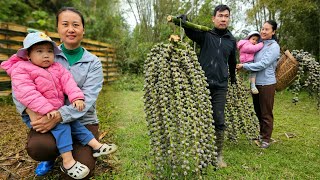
308	76
178	112
239	113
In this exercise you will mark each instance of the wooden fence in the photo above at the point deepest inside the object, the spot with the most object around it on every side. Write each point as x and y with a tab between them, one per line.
11	39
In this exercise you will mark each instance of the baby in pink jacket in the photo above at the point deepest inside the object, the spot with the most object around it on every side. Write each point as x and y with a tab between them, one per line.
247	48
40	84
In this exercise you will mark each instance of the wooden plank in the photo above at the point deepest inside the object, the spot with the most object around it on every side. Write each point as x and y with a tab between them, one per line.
94	48
96	43
5	93
13	47
2	71
110	59
98	53
111	55
4	78
52	34
104	64
7	51
113	74
103	59
112	65
114	69
13	27
3	56
12	38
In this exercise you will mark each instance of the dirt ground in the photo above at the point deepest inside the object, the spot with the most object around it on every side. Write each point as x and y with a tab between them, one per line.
14	161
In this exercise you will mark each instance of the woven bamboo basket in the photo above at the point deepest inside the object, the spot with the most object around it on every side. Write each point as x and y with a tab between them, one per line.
286	70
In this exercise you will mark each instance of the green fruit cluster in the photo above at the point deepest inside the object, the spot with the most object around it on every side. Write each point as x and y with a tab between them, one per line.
308	76
239	113
178	112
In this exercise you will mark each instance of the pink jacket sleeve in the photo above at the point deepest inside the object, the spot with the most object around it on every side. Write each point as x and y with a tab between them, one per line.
9	64
26	92
69	85
250	48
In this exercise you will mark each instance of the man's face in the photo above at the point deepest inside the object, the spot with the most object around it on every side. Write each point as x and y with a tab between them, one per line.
221	19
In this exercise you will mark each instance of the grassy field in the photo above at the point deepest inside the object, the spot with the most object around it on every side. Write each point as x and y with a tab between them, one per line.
294	154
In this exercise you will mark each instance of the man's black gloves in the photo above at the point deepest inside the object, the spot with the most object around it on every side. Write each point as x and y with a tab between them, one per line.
183	18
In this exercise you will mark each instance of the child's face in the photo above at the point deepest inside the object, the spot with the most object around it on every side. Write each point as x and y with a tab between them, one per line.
254	39
42	54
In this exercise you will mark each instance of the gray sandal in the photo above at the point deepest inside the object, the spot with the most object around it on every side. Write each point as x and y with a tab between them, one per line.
77	171
105	149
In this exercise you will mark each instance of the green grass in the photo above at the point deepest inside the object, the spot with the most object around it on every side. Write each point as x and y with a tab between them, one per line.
129	131
287	158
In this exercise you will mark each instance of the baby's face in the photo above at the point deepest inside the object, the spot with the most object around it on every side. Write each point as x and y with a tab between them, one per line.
42	54
254	39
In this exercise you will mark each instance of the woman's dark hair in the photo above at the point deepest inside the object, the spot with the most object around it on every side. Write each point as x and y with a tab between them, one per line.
220	7
274	27
69	9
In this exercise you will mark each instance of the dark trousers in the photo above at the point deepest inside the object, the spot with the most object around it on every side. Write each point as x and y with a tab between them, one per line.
263	106
218	101
43	147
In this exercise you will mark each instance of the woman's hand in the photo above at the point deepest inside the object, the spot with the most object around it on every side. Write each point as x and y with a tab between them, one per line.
33	115
43	124
239	66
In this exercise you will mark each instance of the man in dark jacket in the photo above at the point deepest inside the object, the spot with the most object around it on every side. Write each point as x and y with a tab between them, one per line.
217	54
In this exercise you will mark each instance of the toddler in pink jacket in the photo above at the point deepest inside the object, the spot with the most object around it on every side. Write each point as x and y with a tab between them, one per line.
40	84
247	48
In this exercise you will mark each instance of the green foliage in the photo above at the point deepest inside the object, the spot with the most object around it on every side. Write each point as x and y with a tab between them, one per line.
14	11
6	100
39	14
129	82
293	17
41	20
103	20
136	53
205	14
305	18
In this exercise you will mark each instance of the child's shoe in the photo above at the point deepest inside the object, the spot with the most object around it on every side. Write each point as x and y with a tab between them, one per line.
105	149
77	171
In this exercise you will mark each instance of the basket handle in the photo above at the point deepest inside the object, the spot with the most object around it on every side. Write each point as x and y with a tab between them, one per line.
289	55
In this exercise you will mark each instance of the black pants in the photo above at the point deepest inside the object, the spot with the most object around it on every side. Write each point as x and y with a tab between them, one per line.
218	101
